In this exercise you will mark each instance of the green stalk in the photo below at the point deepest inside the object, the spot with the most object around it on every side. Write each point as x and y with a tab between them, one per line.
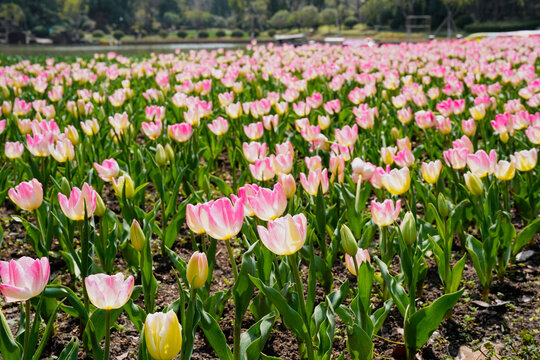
300	291
27	326
107	334
231	258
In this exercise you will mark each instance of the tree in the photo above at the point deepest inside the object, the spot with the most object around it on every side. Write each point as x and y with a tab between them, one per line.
281	19
328	16
171	19
307	17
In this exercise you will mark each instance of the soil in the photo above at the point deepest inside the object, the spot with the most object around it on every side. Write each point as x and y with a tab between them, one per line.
471	320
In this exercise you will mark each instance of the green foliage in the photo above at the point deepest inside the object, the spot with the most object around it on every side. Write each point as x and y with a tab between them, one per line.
281	19
118	34
203	34
181	34
328	16
171	19
463	20
40	31
163	33
502	26
350	21
220	33
98	34
237	34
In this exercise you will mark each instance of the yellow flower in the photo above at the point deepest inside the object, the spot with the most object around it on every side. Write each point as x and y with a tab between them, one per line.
397	181
163	335
431	171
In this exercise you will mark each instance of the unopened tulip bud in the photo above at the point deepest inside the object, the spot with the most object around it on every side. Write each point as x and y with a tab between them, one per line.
444	205
161	155
408	228
395	134
170	152
348	241
122	183
100	206
197	270
384	95
163	335
65	188
136	236
474	183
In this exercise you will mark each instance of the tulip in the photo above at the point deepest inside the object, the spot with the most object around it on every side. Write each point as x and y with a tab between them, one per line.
456	158
219	126
72	134
163	335
444	125
404	158
404	115
481	163
108	170
193	220
13	150
268	204
468	127
119	121
387	154
525	160
100	206
74	207
90	127
361	256
221	219
314	180
38	145
254	151
385	213
505	170
362	170
285	148
136	235
285	235
431	171
270	121
122	183
478	112
408	228
313	163
152	129
180	132
161	155
463	142
28	195
474	183
347	136
109	292
282	163
397	181
197	270
24	278
288	183
254	131
424	119
63	151
262	170
348	242
533	134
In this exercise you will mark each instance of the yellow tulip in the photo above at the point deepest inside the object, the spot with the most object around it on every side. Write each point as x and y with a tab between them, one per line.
163	335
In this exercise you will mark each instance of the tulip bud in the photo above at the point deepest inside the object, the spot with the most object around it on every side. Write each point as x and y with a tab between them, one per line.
136	236
161	156
65	188
348	241
444	205
474	184
122	183
170	152
384	95
100	206
408	228
197	270
163	335
395	134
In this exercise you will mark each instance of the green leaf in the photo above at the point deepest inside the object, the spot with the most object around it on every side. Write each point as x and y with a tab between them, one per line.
243	287
420	325
9	348
359	344
71	351
456	275
525	236
215	336
46	333
252	341
378	317
401	299
478	257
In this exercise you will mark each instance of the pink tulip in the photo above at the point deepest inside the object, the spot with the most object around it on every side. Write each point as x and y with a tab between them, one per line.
525	160
285	148
193	218
404	158
443	124
74	207
481	163
301	108
38	145
152	129
254	151
376	178
315	179
282	164
456	158
463	142
109	292
180	132
445	107
347	136
385	213
254	131
28	195
468	127
387	154
244	192
332	106
119	121
459	106
313	163
2	125
404	115
268	204
219	126
403	143
13	150
424	119
262	169
23	279
285	235
533	134
361	256
362	170
270	121
288	183
108	170
221	219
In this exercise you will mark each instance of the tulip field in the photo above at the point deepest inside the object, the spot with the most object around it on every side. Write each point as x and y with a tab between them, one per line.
273	202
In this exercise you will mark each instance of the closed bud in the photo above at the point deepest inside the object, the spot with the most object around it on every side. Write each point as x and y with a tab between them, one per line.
395	134
124	183
384	95
348	241
197	270
444	205
408	228
100	206
65	188
474	183
161	156
136	235
170	152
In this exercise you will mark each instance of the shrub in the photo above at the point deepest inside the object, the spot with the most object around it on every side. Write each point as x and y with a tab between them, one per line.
237	33
502	26
98	34
220	33
463	21
144	33
118	34
181	34
40	31
256	33
350	21
203	34
271	32
163	33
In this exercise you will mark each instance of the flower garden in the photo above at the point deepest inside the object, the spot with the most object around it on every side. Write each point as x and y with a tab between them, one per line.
317	202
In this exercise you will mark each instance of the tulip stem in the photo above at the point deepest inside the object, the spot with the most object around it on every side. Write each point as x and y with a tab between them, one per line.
27	326
231	258
302	301
107	334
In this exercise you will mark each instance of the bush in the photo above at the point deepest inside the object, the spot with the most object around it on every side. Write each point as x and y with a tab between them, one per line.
220	33
163	33
350	21
237	33
271	32
281	19
256	33
181	34
98	34
502	26
463	21
203	34
118	34
40	31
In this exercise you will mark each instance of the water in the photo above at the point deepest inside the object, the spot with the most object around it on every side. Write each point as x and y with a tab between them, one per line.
132	49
